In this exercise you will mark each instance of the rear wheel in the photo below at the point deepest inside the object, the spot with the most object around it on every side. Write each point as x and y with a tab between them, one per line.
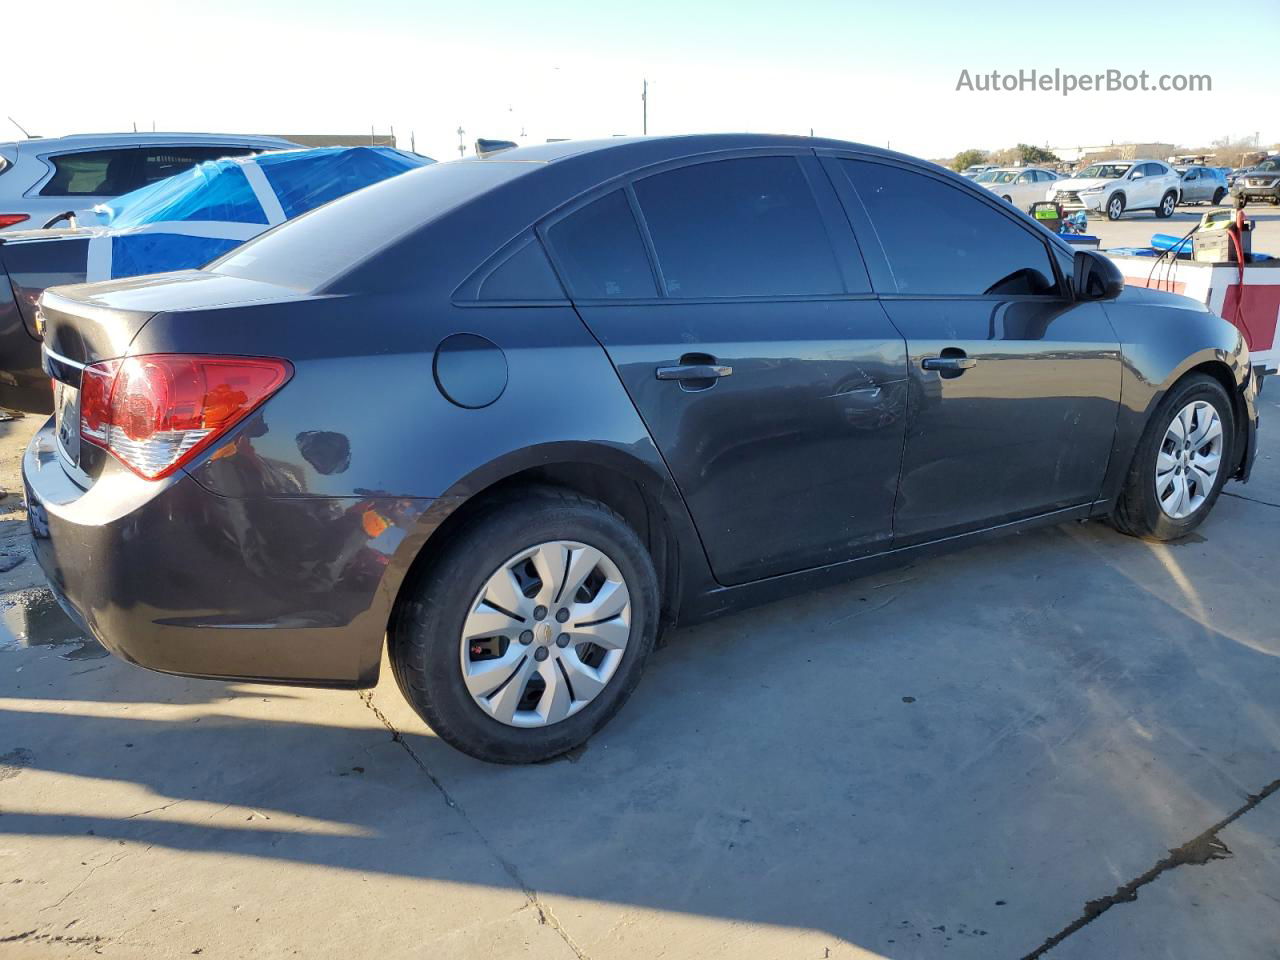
1115	206
1168	203
1180	464
1218	195
531	630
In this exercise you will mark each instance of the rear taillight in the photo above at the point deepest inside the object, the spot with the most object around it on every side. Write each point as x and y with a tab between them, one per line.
11	219
156	412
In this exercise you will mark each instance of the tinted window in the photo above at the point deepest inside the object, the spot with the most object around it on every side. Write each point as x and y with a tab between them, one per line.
600	251
160	163
96	173
941	241
525	275
738	228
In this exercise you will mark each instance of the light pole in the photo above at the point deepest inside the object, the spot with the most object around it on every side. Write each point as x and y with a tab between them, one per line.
462	146
644	100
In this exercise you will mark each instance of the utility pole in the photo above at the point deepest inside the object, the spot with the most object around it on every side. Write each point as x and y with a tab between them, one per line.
462	145
644	100
412	146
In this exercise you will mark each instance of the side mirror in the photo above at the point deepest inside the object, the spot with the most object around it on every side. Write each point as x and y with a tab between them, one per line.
1096	277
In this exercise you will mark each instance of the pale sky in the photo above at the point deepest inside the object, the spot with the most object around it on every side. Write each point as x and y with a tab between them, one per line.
875	73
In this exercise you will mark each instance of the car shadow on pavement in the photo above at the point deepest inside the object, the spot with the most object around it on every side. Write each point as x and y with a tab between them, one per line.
962	753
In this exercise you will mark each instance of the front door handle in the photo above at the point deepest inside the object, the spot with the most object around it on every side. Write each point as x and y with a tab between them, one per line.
948	364
695	371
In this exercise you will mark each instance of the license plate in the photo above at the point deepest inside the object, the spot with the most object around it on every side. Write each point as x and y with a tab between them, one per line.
66	413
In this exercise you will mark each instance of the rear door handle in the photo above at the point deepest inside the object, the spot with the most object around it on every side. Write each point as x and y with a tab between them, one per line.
695	371
949	364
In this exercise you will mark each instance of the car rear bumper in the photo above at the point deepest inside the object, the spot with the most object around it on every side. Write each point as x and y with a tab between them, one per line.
172	577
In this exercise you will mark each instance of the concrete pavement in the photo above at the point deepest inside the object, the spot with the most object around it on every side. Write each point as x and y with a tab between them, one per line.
969	757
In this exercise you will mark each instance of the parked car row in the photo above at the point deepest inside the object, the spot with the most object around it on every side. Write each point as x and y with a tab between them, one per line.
1114	188
510	417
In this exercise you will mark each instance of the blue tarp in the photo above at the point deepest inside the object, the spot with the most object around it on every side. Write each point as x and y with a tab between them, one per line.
188	220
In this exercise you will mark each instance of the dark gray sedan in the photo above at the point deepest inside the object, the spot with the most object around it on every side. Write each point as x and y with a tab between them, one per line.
514	416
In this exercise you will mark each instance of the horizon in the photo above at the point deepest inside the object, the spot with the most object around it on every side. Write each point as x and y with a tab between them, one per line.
423	70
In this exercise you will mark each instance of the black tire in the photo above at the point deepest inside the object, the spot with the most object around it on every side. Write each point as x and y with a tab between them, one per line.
1115	206
1217	196
1008	199
1168	203
427	633
1137	511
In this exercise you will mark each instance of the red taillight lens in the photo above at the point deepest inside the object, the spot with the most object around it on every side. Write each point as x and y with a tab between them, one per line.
155	413
10	219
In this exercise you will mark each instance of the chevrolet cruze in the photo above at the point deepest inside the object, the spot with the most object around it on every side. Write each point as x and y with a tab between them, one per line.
513	416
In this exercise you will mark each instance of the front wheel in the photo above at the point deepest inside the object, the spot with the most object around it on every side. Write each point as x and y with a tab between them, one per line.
1181	462
1167	205
531	630
1115	207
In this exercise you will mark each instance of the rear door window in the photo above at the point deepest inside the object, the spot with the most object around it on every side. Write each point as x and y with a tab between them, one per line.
93	173
601	253
160	163
940	241
747	227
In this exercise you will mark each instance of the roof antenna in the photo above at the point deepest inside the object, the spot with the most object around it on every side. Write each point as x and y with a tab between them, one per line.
22	128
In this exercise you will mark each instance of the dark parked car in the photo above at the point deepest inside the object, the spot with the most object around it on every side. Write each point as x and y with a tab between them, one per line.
515	415
1261	182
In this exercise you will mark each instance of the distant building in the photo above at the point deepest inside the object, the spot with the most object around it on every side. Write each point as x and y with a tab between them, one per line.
1114	151
340	139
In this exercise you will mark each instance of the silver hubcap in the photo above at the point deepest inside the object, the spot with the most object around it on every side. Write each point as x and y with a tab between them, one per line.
1169	204
1116	208
1189	459
545	634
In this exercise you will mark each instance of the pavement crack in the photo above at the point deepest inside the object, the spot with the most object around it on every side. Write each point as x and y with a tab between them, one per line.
83	881
164	806
546	915
1241	496
1197	851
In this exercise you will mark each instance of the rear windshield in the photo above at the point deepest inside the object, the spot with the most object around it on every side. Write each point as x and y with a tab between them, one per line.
312	251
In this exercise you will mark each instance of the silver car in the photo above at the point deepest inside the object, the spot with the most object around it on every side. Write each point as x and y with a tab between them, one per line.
1202	185
42	178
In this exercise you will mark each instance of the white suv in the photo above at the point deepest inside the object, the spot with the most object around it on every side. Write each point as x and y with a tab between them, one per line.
1114	186
40	179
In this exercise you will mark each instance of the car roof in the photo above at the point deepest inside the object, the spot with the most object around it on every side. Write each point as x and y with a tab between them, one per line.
83	141
675	145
